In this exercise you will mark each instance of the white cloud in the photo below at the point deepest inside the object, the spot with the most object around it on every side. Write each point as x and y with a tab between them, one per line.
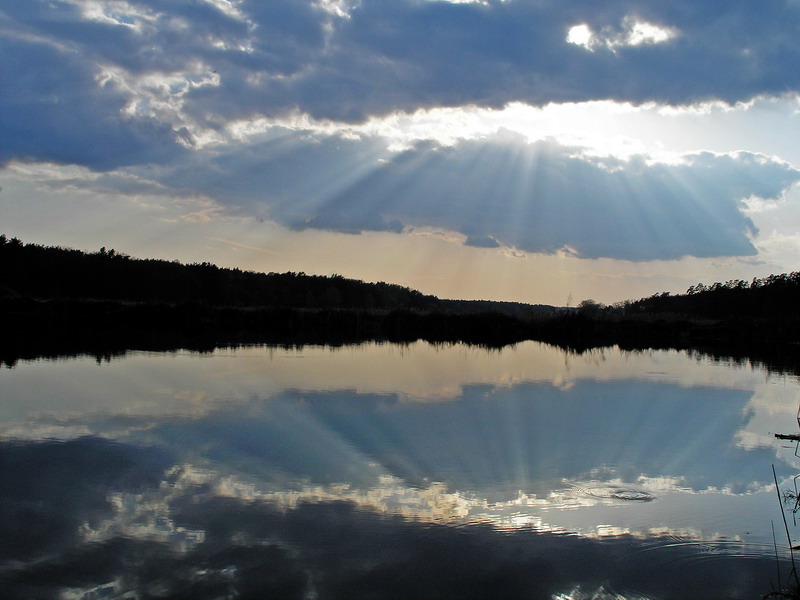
580	35
231	8
640	32
631	32
339	8
115	12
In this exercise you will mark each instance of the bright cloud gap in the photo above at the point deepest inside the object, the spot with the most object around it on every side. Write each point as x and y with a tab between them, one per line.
632	32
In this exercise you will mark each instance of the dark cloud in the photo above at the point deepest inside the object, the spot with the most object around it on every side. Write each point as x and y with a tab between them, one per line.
537	197
52	109
279	56
482	241
407	55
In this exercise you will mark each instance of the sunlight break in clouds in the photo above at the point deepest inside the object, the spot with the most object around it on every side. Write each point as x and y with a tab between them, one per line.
631	33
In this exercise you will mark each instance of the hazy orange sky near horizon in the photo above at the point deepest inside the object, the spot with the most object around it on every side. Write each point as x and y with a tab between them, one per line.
543	152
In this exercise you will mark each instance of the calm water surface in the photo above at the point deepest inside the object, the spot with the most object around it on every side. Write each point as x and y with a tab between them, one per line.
383	471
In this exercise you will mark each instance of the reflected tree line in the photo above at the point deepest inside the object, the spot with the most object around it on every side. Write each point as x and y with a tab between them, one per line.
65	301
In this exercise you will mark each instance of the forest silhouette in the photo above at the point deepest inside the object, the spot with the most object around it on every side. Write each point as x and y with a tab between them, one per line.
64	301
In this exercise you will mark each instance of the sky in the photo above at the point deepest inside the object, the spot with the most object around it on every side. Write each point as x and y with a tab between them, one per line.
542	151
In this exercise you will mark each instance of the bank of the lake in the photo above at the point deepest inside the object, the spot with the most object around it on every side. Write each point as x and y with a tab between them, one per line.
63	301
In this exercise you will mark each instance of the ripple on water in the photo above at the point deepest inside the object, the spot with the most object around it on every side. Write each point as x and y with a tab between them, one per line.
616	493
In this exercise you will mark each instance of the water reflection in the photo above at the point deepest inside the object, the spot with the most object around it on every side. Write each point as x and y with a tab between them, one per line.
385	471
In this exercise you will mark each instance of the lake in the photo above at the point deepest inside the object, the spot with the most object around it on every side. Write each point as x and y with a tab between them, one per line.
386	471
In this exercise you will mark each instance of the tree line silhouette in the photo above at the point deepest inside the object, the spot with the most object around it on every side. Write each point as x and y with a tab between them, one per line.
60	301
756	321
760	298
107	301
32	270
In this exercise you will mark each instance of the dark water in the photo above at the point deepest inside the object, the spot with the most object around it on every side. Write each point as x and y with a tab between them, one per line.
393	472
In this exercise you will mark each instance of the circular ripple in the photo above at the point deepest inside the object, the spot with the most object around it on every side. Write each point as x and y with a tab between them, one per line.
618	493
637	495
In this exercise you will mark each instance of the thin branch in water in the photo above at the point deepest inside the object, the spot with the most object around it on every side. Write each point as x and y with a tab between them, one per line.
777	561
785	525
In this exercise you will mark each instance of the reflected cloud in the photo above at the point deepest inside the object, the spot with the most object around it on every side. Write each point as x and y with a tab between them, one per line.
215	465
51	490
133	521
611	399
149	516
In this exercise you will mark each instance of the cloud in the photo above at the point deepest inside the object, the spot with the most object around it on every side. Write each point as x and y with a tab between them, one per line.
49	489
407	55
129	520
56	119
501	190
340	550
112	82
158	88
634	33
471	446
485	241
